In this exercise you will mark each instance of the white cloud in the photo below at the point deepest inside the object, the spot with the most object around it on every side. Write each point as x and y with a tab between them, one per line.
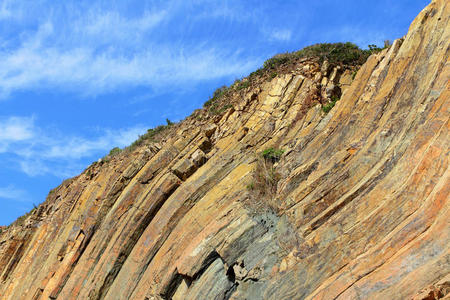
15	129
102	51
79	147
38	152
231	10
12	193
95	74
112	24
5	11
283	35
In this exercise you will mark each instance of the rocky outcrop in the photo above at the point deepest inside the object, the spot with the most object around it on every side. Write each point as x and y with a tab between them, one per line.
357	209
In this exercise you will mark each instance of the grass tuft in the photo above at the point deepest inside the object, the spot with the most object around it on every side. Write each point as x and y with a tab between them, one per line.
327	107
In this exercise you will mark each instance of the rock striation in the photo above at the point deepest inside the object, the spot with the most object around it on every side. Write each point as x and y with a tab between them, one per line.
355	207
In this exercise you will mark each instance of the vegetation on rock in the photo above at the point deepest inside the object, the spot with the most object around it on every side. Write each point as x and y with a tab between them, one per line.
149	136
327	107
272	154
335	53
114	151
309	223
263	188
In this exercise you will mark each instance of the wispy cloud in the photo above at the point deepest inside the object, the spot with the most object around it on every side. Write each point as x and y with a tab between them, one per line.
5	11
92	74
15	129
283	35
37	152
102	51
113	25
78	147
232	10
12	193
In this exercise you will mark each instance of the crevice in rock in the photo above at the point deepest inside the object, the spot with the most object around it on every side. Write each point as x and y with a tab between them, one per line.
80	252
297	179
230	273
131	242
172	287
206	263
228	293
13	262
222	172
177	278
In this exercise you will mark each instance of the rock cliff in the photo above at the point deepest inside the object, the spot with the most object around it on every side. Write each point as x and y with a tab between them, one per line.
264	194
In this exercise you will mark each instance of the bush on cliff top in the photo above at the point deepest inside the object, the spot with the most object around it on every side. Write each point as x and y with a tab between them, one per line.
114	151
336	53
150	134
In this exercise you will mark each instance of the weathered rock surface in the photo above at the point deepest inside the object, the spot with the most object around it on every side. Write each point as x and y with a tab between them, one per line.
361	207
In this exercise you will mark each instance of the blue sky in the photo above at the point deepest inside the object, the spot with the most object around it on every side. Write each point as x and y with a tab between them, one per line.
78	78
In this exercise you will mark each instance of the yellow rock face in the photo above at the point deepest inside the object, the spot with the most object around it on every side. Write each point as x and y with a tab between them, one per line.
356	207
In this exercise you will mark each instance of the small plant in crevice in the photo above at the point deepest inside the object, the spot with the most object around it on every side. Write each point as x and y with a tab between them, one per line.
263	187
265	178
272	154
327	107
224	108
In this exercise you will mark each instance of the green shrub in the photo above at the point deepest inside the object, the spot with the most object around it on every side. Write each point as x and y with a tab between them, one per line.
277	60
218	93
258	72
114	151
272	154
150	135
243	85
224	108
327	107
336	53
374	48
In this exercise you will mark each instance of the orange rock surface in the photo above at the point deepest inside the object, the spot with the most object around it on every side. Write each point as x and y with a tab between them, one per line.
359	208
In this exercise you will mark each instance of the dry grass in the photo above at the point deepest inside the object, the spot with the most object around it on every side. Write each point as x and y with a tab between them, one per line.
263	188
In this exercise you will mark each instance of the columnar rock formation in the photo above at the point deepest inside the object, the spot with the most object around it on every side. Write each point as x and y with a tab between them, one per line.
357	208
